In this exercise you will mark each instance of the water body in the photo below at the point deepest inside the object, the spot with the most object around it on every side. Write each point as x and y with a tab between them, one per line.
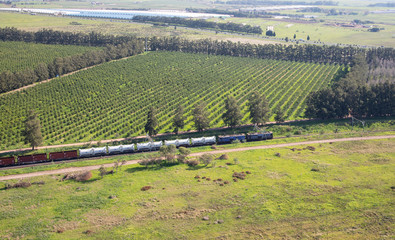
114	14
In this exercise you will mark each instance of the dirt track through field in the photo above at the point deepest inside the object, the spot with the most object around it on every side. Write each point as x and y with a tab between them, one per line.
89	168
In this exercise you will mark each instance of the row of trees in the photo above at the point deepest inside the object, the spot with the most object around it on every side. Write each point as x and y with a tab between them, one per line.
258	108
200	23
62	65
304	53
353	95
48	36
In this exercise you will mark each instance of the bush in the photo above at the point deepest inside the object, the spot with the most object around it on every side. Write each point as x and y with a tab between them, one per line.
192	163
206	158
145	188
311	148
80	177
183	154
84	176
168	152
298	132
239	175
18	185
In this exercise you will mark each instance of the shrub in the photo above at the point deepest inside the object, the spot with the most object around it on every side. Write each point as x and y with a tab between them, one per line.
206	159
145	188
298	132
192	163
84	176
311	148
168	152
183	154
18	185
239	175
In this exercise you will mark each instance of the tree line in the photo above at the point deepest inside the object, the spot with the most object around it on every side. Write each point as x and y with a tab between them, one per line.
352	94
303	53
200	23
258	107
48	36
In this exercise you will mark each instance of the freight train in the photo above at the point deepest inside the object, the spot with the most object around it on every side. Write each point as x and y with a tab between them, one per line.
131	148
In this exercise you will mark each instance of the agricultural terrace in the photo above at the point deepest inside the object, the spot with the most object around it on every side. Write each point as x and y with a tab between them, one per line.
17	56
303	192
112	100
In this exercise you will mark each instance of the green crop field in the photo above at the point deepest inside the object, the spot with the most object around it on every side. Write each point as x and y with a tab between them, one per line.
112	100
331	191
16	56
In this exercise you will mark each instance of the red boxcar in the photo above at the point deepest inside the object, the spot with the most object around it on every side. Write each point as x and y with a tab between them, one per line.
25	159
71	154
42	157
56	156
7	161
63	155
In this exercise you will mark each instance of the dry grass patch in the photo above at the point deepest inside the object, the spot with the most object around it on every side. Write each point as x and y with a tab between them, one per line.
103	218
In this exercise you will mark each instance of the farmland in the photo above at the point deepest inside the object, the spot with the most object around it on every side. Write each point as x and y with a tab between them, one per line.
17	56
111	100
299	193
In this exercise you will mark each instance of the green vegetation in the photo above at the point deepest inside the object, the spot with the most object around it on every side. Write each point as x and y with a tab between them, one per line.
17	56
32	130
112	100
293	192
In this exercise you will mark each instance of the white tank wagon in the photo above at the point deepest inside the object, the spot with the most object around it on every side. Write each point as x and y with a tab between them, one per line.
93	152
171	142
121	149
86	152
156	145
210	140
115	149
99	151
144	146
128	148
178	142
203	141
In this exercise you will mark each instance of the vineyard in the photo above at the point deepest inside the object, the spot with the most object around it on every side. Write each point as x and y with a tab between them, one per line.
16	56
112	100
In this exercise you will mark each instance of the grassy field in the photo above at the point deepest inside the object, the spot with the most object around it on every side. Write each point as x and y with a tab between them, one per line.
16	56
112	100
35	23
342	198
326	32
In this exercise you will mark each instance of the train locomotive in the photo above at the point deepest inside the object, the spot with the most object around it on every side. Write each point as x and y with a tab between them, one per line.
131	148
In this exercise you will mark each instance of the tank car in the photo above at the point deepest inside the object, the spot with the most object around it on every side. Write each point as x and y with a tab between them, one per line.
226	139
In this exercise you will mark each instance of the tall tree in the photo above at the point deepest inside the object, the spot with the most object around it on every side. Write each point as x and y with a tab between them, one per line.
279	115
232	115
200	117
179	119
258	108
33	130
152	122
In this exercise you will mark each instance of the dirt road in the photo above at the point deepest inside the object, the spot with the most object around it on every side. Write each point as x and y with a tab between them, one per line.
89	168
